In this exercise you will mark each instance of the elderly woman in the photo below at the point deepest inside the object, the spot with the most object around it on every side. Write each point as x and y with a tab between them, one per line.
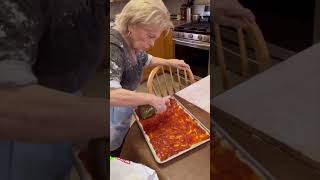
136	29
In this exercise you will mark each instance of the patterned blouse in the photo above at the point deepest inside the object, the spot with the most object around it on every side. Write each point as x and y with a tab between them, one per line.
124	71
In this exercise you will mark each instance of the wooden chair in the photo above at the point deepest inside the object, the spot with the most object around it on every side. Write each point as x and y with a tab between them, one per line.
249	38
164	80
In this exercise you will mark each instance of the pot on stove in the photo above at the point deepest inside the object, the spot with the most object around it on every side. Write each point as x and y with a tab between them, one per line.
195	17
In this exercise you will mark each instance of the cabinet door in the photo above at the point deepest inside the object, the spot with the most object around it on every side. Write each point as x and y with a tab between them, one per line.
163	47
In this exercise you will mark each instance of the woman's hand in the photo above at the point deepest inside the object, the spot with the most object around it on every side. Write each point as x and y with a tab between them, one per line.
159	103
230	12
180	64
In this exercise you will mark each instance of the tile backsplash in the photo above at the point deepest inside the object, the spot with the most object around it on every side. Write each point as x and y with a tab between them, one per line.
173	6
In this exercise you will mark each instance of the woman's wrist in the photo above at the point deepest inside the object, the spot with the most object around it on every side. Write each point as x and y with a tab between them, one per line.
149	98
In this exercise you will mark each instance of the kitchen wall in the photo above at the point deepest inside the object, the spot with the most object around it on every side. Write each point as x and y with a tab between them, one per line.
115	8
206	2
172	5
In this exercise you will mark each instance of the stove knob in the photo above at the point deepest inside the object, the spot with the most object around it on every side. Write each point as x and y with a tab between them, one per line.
205	38
208	38
181	35
190	36
199	37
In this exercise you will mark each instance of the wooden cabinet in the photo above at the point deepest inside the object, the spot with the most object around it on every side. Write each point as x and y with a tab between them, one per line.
163	47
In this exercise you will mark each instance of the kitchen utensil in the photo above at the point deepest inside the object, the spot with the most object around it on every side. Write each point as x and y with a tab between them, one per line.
146	111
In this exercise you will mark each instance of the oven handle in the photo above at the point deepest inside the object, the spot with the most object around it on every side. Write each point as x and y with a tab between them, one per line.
205	46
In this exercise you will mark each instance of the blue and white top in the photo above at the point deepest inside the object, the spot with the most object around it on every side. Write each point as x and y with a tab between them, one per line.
124	73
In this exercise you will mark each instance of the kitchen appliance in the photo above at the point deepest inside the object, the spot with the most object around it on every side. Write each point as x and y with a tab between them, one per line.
195	17
206	10
186	10
198	9
192	44
183	11
188	14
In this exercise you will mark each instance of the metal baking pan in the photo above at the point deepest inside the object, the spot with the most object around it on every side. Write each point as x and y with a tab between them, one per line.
242	154
182	152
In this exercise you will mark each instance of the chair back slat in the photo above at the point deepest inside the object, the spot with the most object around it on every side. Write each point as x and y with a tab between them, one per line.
159	85
243	53
173	87
185	77
252	33
165	80
159	76
178	74
221	61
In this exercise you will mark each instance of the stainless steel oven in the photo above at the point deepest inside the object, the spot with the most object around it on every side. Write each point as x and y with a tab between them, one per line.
192	44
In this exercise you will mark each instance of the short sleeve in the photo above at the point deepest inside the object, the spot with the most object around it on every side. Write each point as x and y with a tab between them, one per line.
144	58
19	31
116	66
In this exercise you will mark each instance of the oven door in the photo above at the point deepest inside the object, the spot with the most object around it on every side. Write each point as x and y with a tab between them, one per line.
194	53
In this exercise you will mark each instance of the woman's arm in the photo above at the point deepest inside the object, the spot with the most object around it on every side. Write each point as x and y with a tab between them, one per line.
155	61
38	114
123	97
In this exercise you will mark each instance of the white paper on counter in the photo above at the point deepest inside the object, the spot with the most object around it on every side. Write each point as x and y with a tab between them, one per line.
198	93
121	169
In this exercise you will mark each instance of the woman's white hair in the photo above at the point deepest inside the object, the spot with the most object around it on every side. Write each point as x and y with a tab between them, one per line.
144	12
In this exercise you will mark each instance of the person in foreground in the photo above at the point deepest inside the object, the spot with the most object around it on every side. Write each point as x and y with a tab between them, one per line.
48	50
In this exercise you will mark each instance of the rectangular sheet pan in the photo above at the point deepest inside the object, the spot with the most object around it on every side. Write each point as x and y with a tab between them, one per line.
182	152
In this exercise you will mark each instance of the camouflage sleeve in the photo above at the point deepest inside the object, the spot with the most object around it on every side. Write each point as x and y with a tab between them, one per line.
18	30
144	58
116	66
